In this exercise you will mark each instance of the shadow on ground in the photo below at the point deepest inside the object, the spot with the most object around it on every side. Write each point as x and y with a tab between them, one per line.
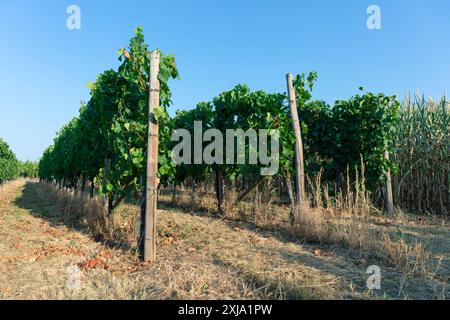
351	264
345	264
41	204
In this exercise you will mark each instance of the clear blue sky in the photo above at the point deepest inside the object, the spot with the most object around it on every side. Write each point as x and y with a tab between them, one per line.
218	43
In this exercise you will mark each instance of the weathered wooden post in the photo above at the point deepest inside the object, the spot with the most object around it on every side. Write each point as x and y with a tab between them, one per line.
389	201
107	162
151	198
299	169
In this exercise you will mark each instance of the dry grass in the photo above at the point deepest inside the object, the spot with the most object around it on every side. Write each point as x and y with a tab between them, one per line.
411	258
194	259
349	222
202	256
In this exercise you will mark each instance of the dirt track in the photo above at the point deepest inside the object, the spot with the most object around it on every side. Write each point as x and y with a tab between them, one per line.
202	257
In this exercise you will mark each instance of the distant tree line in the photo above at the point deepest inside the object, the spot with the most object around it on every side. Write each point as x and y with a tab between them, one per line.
11	168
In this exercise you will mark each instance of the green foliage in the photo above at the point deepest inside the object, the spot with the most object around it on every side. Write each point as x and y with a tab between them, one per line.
28	169
337	138
184	119
108	140
243	109
9	166
303	86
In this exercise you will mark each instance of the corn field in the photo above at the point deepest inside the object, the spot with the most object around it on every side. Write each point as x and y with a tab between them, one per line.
421	152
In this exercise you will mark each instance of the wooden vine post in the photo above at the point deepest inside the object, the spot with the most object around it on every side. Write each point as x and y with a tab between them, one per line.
389	202
151	200
299	167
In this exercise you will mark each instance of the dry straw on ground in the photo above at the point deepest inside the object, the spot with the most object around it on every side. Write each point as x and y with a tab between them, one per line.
202	256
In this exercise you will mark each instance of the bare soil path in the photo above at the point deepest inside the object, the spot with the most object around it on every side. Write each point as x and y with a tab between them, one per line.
198	258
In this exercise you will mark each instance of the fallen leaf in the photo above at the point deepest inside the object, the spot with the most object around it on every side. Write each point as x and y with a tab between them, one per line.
317	252
91	264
